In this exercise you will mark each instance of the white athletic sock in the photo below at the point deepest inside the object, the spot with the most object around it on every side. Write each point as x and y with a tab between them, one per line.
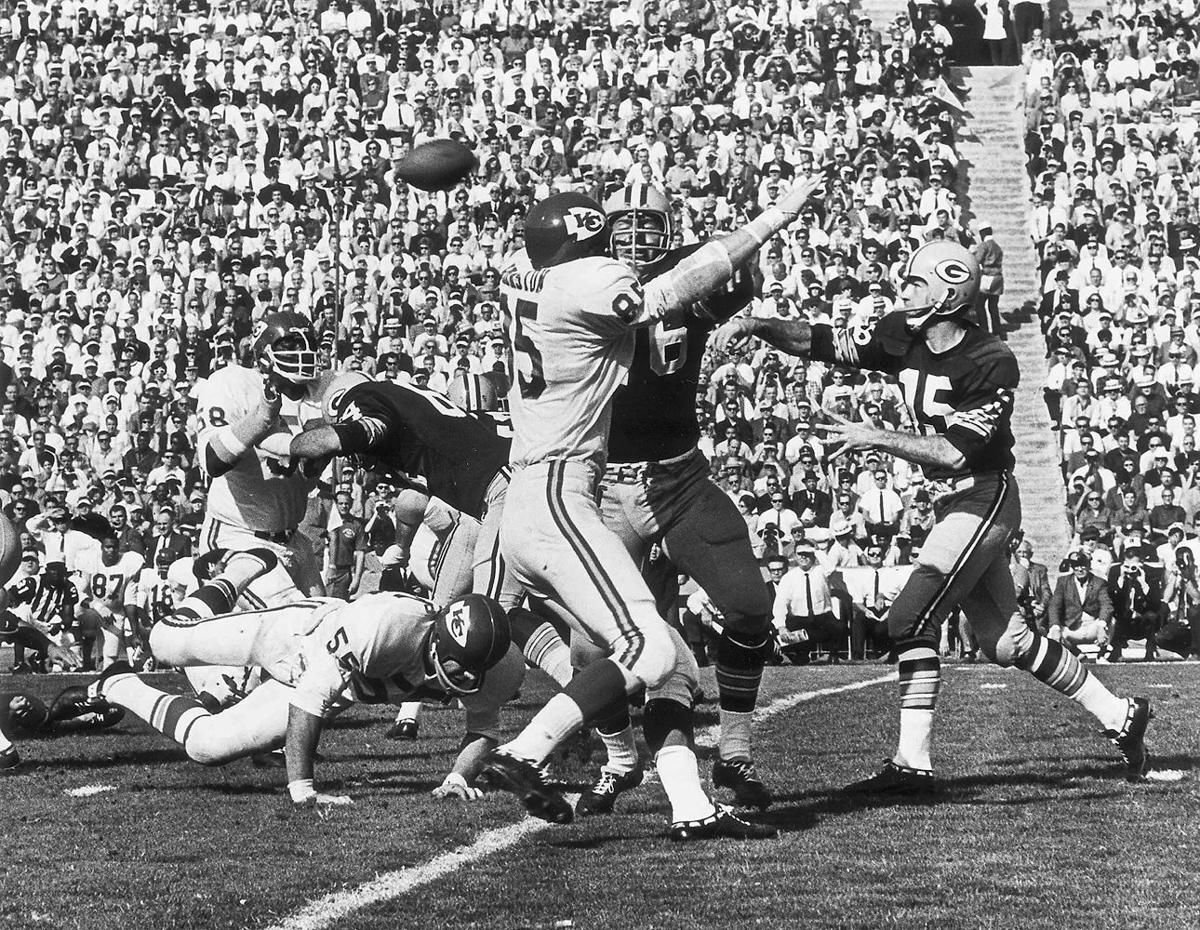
550	726
5	742
622	752
1105	706
409	710
916	738
680	777
734	741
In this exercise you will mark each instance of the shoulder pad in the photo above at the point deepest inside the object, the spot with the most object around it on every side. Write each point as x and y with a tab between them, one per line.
892	334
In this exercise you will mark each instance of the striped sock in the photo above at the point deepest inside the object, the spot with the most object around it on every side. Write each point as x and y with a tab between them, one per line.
920	680
1057	667
171	714
546	650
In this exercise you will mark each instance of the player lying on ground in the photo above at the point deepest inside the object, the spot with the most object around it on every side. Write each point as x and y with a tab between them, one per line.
320	653
573	313
958	383
14	630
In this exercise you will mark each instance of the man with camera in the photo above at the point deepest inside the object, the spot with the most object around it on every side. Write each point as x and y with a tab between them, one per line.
1138	608
1181	596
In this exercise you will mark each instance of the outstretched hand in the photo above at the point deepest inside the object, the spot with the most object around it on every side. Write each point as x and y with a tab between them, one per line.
849	436
795	199
732	336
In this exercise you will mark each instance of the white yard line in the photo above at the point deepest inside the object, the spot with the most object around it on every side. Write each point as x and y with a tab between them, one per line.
323	912
86	791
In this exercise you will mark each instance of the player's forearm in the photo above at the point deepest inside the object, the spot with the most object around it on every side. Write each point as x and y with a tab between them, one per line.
791	336
316	442
923	450
473	749
228	444
303	734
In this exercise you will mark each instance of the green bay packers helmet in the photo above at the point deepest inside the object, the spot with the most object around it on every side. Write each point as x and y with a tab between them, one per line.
333	400
641	225
565	227
943	278
469	636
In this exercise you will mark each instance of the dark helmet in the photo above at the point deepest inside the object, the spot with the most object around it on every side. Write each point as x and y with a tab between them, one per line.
287	344
469	636
563	228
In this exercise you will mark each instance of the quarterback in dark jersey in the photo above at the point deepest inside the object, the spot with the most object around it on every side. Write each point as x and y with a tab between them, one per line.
958	383
657	490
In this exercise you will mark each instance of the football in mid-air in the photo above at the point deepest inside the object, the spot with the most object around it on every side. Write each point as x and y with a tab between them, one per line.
437	165
10	550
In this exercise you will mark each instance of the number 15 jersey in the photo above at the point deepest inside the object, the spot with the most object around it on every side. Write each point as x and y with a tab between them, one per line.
965	393
572	329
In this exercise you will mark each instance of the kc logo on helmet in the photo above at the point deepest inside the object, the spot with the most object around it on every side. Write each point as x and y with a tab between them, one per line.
583	222
952	270
456	623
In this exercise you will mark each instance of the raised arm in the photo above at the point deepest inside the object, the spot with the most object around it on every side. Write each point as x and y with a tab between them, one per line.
791	336
224	446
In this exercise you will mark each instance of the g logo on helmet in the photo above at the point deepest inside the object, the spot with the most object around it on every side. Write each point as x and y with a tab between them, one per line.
583	223
952	271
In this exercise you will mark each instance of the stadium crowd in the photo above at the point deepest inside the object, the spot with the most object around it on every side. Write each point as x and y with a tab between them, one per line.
173	173
1111	130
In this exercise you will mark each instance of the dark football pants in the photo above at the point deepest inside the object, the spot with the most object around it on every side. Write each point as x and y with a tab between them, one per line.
700	528
964	563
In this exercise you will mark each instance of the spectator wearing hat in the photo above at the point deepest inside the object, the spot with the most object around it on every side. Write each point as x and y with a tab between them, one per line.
1080	610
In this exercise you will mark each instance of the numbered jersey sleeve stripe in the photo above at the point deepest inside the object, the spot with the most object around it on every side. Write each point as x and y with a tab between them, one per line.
600	578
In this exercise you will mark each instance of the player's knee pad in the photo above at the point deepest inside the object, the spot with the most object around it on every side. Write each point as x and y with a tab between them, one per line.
204	744
584	652
168	643
1009	646
744	648
651	655
664	716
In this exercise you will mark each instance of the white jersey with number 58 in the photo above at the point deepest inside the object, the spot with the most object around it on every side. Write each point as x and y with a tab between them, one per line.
572	330
262	492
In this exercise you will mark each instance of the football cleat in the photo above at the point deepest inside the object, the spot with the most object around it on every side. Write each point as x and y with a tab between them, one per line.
723	823
600	798
894	779
526	781
96	688
740	777
75	702
9	759
403	730
1130	739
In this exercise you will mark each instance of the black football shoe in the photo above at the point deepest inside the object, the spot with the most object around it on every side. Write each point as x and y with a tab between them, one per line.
740	777
1130	740
600	798
893	780
724	823
96	688
405	730
9	759
526	781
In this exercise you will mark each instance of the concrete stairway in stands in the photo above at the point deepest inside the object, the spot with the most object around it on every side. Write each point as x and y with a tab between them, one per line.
994	191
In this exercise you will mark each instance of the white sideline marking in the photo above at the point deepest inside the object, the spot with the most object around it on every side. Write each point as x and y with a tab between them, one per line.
1165	775
321	913
992	686
86	791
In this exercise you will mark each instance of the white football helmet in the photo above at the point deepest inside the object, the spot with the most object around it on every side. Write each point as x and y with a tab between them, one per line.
641	223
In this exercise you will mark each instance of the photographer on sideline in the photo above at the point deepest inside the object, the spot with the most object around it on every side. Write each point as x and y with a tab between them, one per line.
1138	608
1181	595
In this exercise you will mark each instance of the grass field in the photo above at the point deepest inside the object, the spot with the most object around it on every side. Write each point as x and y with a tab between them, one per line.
1035	827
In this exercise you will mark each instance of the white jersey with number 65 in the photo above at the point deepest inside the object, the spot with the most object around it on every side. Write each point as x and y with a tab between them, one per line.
262	492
